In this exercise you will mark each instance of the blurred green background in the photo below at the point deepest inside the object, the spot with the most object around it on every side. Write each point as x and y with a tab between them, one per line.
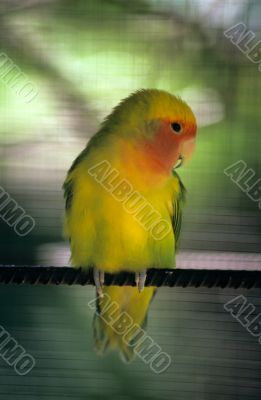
84	56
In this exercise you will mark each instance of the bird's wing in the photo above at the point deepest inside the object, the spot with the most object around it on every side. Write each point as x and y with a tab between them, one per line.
68	184
68	192
178	203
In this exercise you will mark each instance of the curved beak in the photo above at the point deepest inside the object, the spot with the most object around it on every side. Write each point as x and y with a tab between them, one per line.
179	162
186	151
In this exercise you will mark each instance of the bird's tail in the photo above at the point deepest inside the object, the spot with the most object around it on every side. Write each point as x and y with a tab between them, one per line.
120	316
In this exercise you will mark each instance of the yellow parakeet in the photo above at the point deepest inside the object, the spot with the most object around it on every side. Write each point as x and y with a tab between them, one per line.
124	201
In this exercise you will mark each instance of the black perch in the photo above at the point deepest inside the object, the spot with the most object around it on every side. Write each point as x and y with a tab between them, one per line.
34	275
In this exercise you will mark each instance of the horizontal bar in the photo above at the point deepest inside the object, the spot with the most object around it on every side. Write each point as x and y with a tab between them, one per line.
36	275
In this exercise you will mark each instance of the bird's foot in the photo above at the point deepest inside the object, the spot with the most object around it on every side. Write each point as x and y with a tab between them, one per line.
140	278
98	277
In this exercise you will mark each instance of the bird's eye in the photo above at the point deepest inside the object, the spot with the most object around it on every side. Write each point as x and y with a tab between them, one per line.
176	127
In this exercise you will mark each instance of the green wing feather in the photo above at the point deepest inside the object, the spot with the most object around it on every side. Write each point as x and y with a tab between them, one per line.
178	203
68	193
68	184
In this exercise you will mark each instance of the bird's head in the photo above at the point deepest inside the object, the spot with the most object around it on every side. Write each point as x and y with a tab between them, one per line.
161	126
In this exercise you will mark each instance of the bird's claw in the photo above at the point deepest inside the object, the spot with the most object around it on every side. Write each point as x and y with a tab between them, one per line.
140	278
98	277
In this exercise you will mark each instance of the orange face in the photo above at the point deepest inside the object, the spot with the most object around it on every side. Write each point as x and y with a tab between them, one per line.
172	143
